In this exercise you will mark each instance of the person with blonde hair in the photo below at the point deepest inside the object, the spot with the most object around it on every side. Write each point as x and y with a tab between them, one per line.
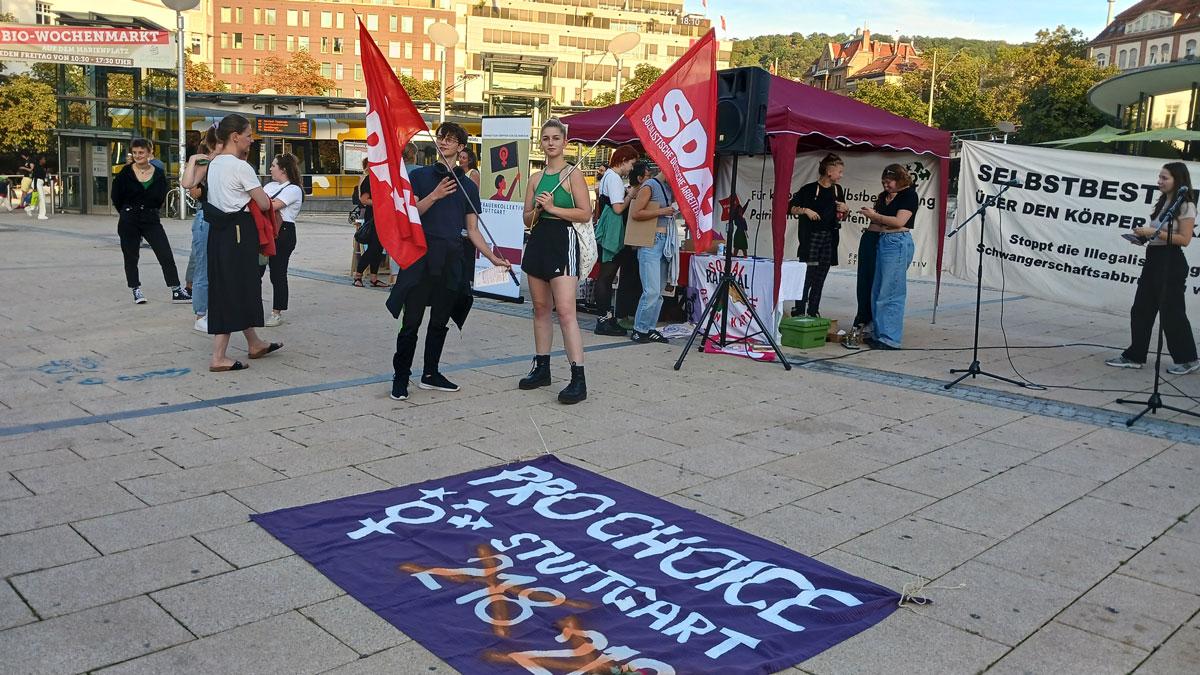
894	213
820	205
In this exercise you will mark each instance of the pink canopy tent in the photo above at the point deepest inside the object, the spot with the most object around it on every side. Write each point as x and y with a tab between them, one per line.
800	117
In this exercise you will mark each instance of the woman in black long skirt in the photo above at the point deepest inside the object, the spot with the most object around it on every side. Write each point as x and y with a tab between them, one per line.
234	285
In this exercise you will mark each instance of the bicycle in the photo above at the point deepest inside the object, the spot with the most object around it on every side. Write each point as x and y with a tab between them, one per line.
173	202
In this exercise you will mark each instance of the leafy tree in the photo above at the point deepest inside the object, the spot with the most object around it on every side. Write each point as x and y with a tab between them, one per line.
28	107
644	75
421	90
894	98
198	77
299	76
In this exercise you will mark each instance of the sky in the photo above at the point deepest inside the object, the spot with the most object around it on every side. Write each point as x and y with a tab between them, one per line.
1010	20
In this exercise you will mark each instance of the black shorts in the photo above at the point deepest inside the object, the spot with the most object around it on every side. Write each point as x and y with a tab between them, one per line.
552	250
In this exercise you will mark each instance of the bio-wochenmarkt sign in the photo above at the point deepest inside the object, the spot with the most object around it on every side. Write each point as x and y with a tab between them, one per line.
122	47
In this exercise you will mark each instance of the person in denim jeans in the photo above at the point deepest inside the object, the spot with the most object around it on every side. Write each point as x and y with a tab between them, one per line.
193	179
654	260
894	212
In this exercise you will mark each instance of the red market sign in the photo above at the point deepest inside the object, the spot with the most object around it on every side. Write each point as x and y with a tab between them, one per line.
123	47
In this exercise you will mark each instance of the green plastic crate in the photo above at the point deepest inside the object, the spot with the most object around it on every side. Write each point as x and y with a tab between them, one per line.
803	332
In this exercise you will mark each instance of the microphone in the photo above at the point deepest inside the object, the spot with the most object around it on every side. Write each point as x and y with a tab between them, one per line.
1183	189
1011	183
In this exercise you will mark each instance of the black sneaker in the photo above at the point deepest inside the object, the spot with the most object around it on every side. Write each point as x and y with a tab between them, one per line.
610	326
649	336
180	296
399	389
139	298
438	382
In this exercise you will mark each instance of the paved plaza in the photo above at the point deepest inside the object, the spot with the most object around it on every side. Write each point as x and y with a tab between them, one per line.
1053	540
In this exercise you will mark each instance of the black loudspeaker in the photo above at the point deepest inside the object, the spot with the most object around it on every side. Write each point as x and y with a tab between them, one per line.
742	95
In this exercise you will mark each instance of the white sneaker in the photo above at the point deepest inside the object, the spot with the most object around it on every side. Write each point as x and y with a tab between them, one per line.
1184	368
42	218
273	320
202	324
139	298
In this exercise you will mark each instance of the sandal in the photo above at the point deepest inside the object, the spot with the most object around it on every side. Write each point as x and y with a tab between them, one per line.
273	347
379	284
237	365
357	282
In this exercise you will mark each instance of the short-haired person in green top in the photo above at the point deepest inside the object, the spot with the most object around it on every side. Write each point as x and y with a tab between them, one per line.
551	262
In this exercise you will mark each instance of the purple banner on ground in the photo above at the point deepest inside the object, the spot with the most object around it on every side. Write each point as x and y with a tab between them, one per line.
544	567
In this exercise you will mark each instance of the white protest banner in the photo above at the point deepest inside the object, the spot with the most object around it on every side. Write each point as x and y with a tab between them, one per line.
504	167
1057	235
755	187
125	47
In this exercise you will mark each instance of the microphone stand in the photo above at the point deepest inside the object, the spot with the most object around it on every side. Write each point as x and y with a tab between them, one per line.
974	370
1155	403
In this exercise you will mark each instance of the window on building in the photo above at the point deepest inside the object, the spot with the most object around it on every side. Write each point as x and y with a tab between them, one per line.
357	48
427	51
407	72
293	17
1153	55
1122	59
260	41
1133	58
271	42
237	40
226	15
1172	118
302	43
339	71
226	65
291	43
358	93
305	16
324	45
427	74
197	44
237	15
1165	53
269	17
372	22
224	40
341	20
257	16
1101	59
237	66
326	19
255	67
393	50
408	50
43	16
327	70
425	24
357	73
338	45
406	24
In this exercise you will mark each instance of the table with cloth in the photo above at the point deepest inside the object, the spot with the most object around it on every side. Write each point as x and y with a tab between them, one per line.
757	276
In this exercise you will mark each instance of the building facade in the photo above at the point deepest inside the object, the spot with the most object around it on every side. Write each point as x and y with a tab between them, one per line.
1151	32
862	58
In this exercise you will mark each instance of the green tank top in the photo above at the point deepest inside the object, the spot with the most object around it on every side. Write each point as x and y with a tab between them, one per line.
562	195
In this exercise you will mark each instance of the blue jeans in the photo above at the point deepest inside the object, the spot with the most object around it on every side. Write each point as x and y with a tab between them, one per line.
890	289
199	263
652	266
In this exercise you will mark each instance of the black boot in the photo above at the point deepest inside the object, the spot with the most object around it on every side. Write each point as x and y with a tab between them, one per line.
539	375
576	391
798	310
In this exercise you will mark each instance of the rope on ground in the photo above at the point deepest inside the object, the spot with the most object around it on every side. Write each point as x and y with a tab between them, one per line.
913	593
535	454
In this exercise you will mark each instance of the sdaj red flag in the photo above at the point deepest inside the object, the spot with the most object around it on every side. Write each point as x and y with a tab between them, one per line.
392	120
676	121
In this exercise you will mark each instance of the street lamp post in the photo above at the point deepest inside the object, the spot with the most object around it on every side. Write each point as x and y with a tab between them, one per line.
445	36
181	6
618	46
933	79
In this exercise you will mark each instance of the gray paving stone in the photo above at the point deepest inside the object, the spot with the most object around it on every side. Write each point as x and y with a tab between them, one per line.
1078	459
153	524
39	549
826	467
884	575
163	438
31	460
1131	611
282	644
751	492
428	464
246	595
1187	527
54	508
892	446
1058	648
715	459
192	454
324	432
11	488
317	487
1058	557
1161	486
91	472
625	449
177	485
409	657
805	531
943	472
90	639
865	503
1177	656
351	622
907	643
1031	434
995	603
655	477
13	610
92	582
919	546
997	516
1107	521
1038	488
325	456
255	425
716	513
1169	561
244	545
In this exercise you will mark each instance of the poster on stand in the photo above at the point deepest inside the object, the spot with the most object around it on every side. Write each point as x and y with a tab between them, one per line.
504	170
1056	235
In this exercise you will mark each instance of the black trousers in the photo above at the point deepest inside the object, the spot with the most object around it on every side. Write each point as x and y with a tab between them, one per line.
371	257
285	244
604	280
814	285
1164	264
868	251
431	292
629	289
132	228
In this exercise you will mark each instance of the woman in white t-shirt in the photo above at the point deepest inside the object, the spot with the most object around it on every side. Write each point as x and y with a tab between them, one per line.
610	235
286	196
234	285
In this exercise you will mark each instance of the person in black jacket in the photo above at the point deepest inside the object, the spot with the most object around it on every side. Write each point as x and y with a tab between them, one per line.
820	205
138	193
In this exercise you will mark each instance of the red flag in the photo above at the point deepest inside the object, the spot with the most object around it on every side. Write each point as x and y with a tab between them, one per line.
676	121
392	120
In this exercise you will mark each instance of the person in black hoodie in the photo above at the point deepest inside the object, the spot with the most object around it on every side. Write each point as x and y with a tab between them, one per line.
138	193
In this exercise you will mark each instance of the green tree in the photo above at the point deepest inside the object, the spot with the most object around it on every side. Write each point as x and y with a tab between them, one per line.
299	76
28	108
894	98
421	90
199	77
644	75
